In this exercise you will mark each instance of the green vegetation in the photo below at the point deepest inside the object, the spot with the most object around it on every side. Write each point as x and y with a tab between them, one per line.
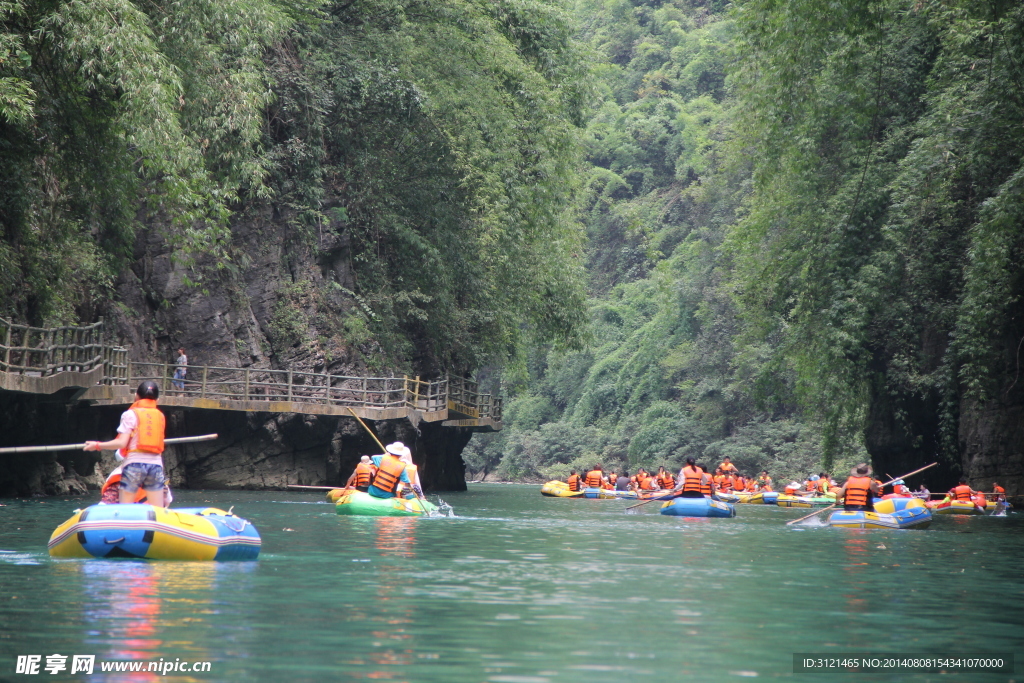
783	231
803	218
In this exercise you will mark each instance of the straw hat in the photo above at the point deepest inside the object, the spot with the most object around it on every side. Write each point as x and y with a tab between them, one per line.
861	470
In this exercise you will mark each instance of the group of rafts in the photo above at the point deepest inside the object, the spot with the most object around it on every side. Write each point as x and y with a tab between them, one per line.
721	492
384	485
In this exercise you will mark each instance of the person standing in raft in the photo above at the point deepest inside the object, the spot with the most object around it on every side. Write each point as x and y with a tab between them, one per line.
141	435
858	491
390	471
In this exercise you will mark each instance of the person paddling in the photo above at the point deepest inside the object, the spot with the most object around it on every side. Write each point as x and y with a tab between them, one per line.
858	491
390	472
141	435
362	476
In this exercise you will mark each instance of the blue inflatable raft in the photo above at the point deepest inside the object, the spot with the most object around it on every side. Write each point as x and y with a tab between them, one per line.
907	518
698	507
143	531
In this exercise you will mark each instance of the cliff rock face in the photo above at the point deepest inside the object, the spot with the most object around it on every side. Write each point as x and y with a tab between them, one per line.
992	443
275	306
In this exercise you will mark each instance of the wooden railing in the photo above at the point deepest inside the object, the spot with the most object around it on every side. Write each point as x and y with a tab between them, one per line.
42	352
258	384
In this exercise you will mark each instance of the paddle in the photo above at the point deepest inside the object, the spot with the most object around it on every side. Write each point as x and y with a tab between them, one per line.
885	484
80	446
651	500
419	495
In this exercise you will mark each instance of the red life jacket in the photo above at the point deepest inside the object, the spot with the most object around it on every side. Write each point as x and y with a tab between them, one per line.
858	490
151	426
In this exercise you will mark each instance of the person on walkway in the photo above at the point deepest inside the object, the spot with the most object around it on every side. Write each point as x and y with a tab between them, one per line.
362	476
391	472
575	481
180	366
141	435
858	491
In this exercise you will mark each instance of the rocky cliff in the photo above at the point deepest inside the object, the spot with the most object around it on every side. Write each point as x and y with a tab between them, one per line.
276	305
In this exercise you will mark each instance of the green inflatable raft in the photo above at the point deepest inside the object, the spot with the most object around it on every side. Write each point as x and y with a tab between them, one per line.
354	502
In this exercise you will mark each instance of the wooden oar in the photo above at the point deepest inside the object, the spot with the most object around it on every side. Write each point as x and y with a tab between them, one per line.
651	500
419	496
816	512
319	488
885	484
80	446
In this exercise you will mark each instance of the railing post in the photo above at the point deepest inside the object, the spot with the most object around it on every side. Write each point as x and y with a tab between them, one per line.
247	384
7	348
416	394
327	389
202	391
289	385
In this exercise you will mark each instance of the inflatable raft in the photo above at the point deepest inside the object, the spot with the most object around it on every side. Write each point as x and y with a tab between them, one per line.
559	489
958	507
353	502
910	517
144	531
698	507
787	501
608	494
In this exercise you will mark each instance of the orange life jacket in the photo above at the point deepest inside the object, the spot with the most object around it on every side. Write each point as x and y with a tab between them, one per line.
738	482
692	477
574	482
666	481
613	478
647	484
727	467
961	492
858	490
364	474
980	500
705	483
822	486
389	473
151	426
594	478
725	485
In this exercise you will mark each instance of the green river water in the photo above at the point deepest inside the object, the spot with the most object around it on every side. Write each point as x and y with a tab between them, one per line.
517	588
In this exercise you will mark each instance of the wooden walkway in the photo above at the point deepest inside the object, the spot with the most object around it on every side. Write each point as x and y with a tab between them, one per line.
47	361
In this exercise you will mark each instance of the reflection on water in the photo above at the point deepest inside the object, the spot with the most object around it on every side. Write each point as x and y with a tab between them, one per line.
518	588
